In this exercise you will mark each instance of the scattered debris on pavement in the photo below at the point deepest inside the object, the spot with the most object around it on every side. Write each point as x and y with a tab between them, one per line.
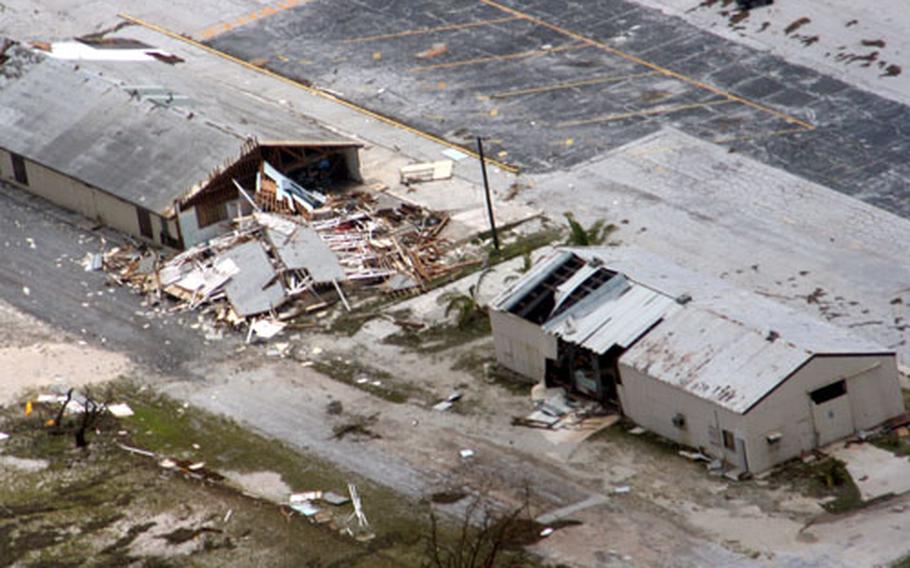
446	404
298	253
558	410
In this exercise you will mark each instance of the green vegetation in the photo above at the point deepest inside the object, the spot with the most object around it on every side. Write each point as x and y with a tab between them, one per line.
524	245
893	443
466	306
439	338
107	506
620	433
823	478
374	381
481	364
90	506
594	235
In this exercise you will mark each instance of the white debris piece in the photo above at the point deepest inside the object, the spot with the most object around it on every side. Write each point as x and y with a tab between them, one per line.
267	329
120	410
454	154
4	436
428	171
466	453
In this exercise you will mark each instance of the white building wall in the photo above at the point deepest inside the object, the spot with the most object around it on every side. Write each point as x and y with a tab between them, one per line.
872	389
521	346
653	404
86	200
193	234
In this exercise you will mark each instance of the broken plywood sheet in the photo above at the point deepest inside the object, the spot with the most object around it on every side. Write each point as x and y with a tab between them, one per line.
255	288
303	249
428	171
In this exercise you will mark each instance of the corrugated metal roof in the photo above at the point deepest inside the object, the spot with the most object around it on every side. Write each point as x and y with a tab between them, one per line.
618	313
718	346
714	358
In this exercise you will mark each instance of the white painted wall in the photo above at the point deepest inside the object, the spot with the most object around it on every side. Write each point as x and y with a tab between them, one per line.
872	388
653	404
86	200
193	234
521	346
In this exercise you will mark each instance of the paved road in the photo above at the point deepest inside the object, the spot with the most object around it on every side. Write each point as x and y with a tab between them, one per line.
557	83
61	293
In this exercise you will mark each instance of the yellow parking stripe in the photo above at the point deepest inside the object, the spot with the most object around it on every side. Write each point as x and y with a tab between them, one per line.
568	85
438	29
648	64
660	110
492	58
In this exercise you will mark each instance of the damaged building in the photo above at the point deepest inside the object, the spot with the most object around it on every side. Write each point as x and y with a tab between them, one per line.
160	162
742	378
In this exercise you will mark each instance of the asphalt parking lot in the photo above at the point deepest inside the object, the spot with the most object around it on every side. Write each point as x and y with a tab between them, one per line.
556	83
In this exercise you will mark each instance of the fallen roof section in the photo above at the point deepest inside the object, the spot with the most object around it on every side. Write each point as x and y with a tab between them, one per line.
254	288
303	249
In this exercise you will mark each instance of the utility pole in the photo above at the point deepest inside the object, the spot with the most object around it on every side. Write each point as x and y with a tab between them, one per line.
486	188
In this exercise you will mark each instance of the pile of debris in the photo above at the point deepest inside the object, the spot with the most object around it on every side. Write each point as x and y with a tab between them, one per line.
556	409
275	266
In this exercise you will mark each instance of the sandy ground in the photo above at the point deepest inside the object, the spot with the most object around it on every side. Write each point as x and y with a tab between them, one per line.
34	355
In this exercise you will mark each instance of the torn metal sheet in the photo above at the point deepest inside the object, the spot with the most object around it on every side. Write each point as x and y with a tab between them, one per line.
291	192
254	289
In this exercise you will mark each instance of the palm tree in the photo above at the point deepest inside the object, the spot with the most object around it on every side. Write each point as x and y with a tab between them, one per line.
594	235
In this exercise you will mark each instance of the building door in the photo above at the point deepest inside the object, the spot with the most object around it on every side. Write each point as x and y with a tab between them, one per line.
145	223
831	413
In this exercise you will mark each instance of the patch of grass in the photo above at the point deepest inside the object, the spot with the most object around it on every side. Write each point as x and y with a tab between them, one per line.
902	562
620	432
481	364
524	244
437	338
353	373
826	477
162	425
893	443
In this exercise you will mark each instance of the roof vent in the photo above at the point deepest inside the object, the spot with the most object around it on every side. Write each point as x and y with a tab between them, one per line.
683	299
772	336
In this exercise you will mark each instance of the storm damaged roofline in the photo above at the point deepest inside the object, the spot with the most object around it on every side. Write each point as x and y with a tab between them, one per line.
697	333
93	129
